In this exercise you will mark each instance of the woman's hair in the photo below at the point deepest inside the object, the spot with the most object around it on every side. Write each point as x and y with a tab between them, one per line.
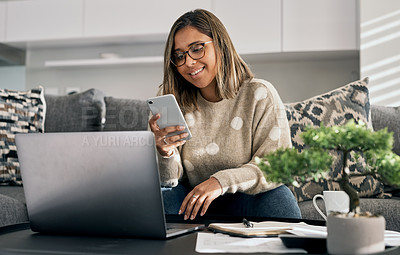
232	71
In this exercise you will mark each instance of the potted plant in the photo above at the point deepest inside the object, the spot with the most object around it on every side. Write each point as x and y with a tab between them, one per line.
355	141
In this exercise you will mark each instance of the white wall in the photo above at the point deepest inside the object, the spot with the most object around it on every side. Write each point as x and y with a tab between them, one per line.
380	49
296	78
12	77
299	79
123	81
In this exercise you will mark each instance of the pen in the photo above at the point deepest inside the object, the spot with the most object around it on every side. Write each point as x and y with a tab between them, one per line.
247	223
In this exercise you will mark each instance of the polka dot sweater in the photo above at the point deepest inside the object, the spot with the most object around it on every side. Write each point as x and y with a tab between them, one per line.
226	137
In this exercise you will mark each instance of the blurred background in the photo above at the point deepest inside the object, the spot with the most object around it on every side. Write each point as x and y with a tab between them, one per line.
304	48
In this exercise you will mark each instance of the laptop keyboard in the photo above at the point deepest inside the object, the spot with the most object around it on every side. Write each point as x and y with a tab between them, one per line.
175	227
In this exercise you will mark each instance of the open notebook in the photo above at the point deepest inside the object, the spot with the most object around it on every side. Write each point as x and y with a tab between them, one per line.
254	229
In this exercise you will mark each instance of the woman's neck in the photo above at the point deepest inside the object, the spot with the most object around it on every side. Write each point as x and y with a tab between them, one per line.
209	94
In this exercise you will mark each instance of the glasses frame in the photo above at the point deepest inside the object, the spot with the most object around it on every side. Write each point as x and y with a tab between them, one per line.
187	53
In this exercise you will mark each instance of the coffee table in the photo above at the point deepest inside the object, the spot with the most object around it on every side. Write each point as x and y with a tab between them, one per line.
19	239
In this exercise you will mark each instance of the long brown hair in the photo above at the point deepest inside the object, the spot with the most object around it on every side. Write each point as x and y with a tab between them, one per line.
232	71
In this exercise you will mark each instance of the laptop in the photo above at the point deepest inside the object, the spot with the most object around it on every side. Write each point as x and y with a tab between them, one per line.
94	183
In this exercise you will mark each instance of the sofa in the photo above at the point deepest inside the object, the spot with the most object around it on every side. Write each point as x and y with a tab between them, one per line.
92	111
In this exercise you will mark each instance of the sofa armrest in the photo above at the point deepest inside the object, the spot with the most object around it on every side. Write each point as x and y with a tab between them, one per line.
386	116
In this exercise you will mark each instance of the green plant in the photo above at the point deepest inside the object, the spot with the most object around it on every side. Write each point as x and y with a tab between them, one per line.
290	167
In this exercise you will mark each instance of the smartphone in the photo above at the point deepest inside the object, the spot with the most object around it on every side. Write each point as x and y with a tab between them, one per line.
170	113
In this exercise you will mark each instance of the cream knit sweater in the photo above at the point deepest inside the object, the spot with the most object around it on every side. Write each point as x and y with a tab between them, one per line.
226	137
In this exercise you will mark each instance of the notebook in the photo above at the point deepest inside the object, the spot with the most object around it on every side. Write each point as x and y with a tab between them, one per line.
94	183
254	229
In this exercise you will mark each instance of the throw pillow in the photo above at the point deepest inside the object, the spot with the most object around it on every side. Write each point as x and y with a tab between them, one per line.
333	108
79	112
20	112
126	114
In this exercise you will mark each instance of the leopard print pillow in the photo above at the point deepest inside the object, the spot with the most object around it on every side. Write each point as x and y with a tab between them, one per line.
333	108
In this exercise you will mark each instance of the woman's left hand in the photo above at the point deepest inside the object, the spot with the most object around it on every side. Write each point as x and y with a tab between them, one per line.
202	195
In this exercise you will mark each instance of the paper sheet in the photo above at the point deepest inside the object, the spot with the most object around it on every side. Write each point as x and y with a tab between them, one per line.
220	243
308	230
392	238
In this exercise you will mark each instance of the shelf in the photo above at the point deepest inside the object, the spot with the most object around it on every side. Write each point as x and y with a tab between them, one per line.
104	61
282	56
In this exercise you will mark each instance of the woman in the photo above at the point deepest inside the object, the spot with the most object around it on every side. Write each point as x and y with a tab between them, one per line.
232	117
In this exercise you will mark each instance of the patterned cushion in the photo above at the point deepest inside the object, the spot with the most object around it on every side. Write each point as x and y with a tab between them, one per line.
333	108
20	112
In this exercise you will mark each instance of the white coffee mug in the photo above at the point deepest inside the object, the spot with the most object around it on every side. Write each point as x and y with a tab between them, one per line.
335	201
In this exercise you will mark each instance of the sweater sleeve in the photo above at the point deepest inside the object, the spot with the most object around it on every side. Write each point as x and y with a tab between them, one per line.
270	131
171	170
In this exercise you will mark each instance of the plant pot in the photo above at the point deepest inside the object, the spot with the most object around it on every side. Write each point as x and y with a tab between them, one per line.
355	235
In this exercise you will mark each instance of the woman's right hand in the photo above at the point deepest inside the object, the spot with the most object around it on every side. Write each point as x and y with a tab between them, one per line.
166	145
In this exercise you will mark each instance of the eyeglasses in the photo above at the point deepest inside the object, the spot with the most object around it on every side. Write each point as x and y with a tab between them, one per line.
196	51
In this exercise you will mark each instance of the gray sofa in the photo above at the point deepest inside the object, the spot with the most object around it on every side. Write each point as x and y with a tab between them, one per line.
92	111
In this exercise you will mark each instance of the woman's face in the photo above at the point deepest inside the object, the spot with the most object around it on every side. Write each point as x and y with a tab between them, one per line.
201	72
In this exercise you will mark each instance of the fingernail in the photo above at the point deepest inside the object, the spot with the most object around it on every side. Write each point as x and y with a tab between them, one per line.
186	217
180	212
181	127
201	214
192	217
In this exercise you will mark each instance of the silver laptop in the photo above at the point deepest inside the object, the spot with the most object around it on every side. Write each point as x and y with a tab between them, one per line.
94	183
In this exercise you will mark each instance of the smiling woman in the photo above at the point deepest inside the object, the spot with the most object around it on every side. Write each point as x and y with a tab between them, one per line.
232	117
200	72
